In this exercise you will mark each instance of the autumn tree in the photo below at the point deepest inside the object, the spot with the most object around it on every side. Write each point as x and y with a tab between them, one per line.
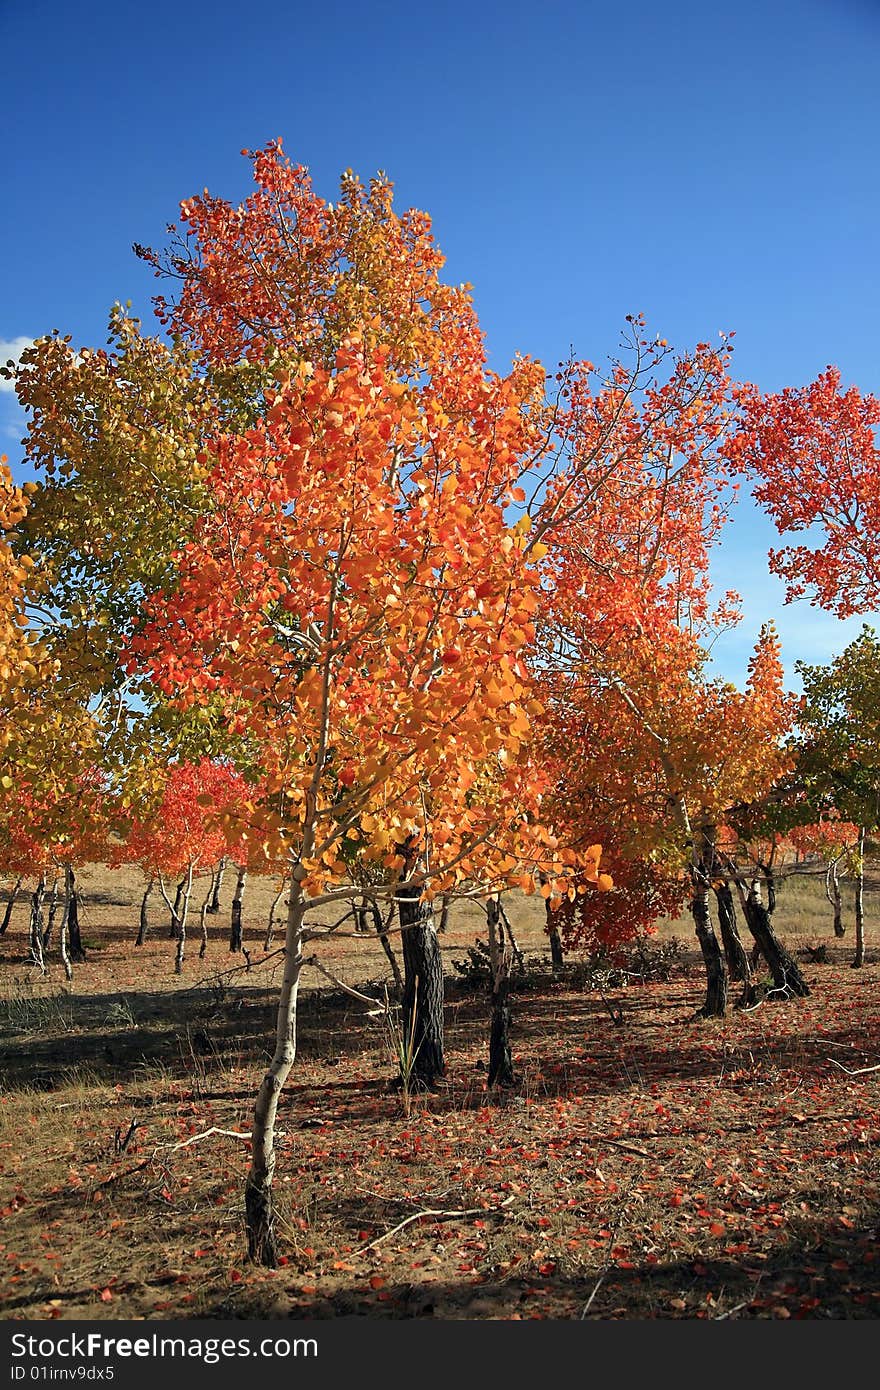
838	740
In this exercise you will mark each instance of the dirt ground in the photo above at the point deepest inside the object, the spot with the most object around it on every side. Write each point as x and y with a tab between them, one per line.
645	1165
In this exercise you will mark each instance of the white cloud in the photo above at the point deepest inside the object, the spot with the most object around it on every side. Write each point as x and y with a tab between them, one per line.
11	347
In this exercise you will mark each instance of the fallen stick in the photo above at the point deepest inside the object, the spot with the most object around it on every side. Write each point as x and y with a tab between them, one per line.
436	1216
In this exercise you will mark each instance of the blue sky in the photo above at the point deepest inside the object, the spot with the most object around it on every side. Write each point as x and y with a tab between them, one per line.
713	168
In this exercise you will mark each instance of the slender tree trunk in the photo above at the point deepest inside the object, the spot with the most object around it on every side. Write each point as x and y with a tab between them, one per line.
273	909
144	922
259	1208
236	940
444	914
53	913
214	905
181	935
514	945
500	1057
556	957
787	977
859	957
833	894
77	949
734	952
10	903
36	934
381	929
174	925
69	895
716	974
422	986
203	918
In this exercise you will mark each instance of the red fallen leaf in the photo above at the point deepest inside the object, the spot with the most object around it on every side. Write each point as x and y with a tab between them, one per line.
106	1296
235	1276
716	1229
376	1281
308	1289
549	1267
283	1260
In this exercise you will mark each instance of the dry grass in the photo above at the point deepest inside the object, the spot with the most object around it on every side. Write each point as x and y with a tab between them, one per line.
656	1168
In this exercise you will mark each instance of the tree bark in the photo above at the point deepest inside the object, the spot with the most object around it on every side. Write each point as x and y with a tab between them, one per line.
734	951
203	918
69	895
53	913
10	903
556	957
181	934
236	940
144	922
77	949
214	905
259	1208
174	926
716	974
786	973
859	957
36	933
833	894
422	986
500	1057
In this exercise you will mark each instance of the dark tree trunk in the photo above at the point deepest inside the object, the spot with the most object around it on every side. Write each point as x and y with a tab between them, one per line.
382	933
556	956
514	945
236	939
181	934
69	895
444	914
859	957
53	913
174	924
716	975
833	894
36	933
422	987
10	903
144	922
214	905
500	1058
77	949
787	977
734	951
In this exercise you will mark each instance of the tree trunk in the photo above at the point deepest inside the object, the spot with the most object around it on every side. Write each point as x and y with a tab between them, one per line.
500	1057
53	913
382	933
422	986
236	940
77	949
514	945
69	895
734	951
36	935
275	901
174	925
556	957
259	1209
859	957
833	894
10	903
444	914
144	923
181	934
214	905
203	918
716	975
787	977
